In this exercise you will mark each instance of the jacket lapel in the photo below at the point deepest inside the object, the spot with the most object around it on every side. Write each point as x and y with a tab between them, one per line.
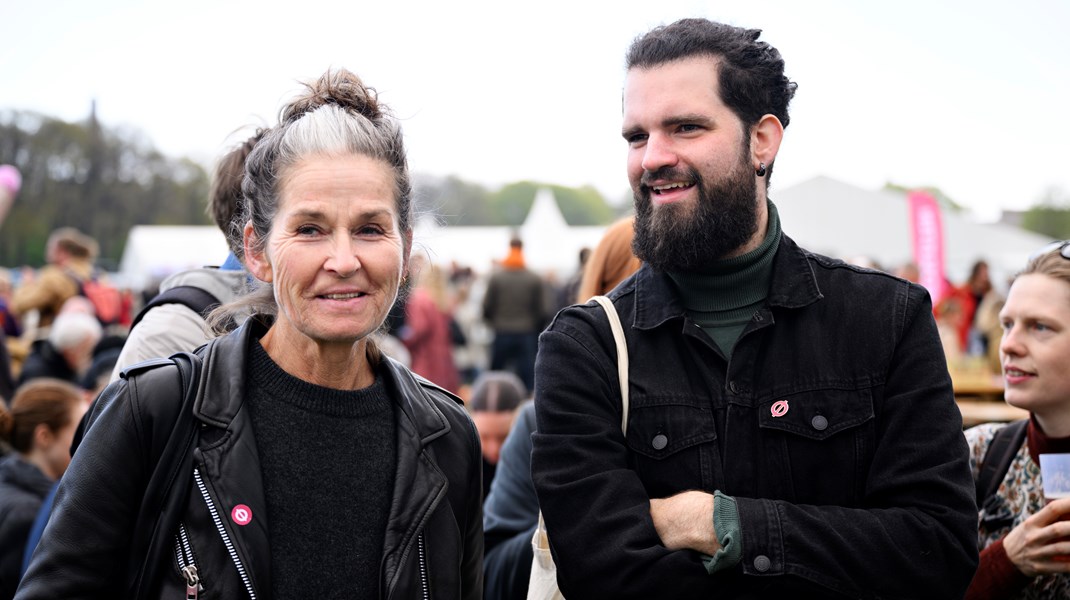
228	460
419	485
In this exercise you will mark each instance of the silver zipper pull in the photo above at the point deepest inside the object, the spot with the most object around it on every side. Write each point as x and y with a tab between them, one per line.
193	582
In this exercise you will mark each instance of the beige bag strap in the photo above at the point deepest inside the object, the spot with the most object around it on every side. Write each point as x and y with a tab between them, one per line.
622	357
542	584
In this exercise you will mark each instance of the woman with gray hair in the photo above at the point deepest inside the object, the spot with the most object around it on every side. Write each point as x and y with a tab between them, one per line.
67	352
321	469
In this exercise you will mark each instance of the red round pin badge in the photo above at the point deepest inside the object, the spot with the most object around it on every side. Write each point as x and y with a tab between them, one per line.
242	514
779	408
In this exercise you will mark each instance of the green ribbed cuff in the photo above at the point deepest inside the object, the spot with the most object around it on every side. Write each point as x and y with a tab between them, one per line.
729	534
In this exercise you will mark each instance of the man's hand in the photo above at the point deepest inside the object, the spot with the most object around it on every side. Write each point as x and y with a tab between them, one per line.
1040	545
685	521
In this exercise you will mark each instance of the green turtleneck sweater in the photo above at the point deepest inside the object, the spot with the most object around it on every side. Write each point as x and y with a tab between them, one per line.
722	298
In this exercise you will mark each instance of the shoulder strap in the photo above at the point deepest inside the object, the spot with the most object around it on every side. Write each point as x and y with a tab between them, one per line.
169	485
1001	451
622	356
192	297
540	542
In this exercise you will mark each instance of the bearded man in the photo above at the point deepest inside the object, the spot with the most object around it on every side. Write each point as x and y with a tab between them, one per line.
792	430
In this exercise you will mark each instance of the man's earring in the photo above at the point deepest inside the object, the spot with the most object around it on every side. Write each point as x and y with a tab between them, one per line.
760	171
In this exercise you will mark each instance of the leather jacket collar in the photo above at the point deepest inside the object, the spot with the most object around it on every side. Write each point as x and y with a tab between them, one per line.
224	374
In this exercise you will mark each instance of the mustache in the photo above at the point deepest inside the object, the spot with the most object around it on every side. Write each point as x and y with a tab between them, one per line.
671	173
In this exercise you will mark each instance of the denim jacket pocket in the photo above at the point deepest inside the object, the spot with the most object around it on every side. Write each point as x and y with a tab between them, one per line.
819	440
672	443
818	414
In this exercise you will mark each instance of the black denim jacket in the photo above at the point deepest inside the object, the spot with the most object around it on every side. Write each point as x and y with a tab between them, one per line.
833	426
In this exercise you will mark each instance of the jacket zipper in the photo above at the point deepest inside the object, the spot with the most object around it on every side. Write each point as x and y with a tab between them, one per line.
423	567
223	534
187	565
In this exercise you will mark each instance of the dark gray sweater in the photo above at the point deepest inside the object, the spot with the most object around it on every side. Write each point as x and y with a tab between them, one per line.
328	459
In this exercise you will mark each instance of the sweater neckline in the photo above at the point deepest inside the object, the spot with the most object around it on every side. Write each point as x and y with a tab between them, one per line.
281	386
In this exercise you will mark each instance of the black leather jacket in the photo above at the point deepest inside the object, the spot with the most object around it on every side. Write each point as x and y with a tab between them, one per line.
433	540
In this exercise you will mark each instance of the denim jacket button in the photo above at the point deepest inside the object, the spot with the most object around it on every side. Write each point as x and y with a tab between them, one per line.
762	563
819	423
659	442
733	387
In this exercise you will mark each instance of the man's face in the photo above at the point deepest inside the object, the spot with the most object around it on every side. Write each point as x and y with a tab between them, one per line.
689	166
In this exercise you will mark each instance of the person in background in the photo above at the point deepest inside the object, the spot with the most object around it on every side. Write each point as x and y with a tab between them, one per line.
11	328
322	469
39	427
908	271
10	324
959	308
511	510
515	306
1024	540
7	379
987	327
495	397
468	332
566	294
177	325
426	333
792	428
979	284
70	254
611	262
67	353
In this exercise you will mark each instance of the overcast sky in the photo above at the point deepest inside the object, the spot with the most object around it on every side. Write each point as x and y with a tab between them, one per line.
969	96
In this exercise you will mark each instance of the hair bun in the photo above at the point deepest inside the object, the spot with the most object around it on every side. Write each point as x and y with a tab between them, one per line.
339	87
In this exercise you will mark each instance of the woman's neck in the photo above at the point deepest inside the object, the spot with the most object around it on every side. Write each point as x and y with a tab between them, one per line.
335	366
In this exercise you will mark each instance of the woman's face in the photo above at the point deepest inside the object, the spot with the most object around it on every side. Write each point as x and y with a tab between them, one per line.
335	255
1035	350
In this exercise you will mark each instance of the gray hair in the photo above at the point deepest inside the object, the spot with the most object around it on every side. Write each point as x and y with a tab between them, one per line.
337	116
71	329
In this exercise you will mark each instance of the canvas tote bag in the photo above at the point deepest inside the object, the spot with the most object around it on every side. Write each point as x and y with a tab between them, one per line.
543	582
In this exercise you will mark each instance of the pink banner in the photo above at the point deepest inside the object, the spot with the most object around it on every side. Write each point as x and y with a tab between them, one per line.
927	232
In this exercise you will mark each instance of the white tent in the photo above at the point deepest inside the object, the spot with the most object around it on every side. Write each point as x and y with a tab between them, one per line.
550	244
844	221
153	252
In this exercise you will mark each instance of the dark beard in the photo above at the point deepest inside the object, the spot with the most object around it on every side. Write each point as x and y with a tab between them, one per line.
685	238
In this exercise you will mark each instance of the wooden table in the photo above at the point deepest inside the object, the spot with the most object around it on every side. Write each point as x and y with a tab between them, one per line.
975	412
980	398
990	391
